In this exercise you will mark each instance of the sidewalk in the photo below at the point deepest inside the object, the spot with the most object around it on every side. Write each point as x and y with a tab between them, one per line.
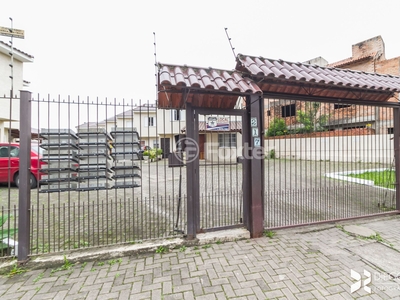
312	262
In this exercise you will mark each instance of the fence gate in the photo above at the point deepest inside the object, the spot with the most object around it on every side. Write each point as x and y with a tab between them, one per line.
216	151
327	161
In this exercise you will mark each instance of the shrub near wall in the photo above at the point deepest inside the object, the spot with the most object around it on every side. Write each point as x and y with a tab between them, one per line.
345	132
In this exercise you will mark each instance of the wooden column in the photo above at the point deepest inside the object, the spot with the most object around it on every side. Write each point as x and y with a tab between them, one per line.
256	134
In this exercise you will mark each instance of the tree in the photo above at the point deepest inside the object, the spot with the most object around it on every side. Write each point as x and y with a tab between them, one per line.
310	118
277	127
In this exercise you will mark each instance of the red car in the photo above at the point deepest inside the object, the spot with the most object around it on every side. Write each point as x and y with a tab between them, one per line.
9	156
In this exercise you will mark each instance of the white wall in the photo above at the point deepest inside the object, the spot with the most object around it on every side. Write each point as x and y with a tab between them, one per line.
364	148
5	87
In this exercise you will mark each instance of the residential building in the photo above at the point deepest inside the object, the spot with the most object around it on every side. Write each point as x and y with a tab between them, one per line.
10	105
367	56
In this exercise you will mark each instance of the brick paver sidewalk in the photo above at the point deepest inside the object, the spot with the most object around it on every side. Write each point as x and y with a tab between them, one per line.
300	263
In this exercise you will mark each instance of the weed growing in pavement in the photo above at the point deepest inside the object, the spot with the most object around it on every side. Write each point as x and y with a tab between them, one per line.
112	262
15	270
182	249
206	246
377	237
66	266
40	276
269	233
161	249
100	263
218	242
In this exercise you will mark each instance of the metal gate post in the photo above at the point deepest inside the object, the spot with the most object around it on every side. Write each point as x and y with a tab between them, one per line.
24	178
192	170
256	203
396	144
246	164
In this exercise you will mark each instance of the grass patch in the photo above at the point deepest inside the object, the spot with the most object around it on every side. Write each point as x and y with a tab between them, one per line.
384	178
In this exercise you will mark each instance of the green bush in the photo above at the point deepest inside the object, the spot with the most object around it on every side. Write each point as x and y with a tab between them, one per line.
152	153
277	127
159	151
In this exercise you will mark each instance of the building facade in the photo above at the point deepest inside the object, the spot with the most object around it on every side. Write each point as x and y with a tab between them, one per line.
10	105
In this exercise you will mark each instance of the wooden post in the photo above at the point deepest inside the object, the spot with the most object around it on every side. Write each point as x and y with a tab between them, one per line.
256	203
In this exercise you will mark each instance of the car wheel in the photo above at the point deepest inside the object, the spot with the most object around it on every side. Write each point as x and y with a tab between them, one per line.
33	181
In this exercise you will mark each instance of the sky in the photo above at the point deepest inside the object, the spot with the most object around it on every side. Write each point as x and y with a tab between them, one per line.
106	49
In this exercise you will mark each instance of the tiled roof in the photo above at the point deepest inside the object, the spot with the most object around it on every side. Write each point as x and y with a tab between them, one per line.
351	60
208	87
145	108
286	78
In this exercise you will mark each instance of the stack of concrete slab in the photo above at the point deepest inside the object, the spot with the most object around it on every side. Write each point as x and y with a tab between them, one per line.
95	165
126	147
62	163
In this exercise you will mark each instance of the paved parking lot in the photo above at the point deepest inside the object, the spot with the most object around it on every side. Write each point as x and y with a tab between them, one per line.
312	262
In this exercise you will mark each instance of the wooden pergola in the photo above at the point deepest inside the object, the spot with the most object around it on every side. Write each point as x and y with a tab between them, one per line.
215	91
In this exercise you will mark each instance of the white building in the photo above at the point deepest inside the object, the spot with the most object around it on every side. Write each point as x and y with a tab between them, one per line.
19	58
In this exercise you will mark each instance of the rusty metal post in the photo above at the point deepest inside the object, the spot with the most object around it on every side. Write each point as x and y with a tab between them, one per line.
396	145
24	178
256	205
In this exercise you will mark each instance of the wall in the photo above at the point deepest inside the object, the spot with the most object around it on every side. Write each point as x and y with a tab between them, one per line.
5	87
365	148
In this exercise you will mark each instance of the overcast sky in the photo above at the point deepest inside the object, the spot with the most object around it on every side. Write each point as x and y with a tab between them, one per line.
105	48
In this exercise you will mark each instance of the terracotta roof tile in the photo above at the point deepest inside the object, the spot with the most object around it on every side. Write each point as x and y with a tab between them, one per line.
277	76
201	81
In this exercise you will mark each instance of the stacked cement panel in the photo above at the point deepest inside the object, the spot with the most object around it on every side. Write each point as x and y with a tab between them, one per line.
125	152
95	168
61	159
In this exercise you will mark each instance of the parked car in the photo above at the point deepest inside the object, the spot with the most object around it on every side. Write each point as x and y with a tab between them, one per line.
9	156
142	149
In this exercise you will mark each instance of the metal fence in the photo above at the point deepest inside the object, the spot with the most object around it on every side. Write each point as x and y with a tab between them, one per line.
317	155
87	195
110	172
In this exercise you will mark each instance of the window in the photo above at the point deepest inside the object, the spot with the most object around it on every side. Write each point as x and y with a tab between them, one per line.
149	121
14	151
288	110
155	144
128	124
390	130
339	106
268	113
227	140
177	115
